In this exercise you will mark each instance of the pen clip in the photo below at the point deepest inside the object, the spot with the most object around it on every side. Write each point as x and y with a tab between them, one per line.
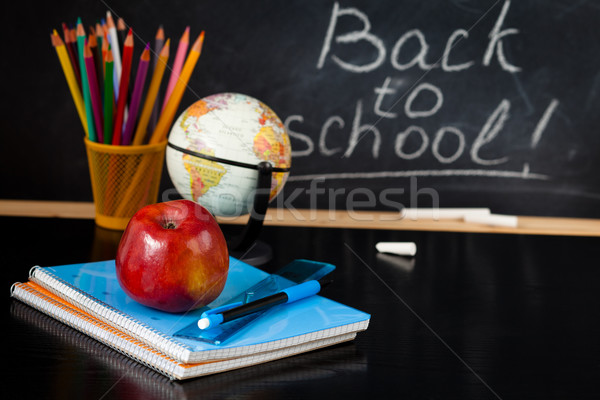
220	309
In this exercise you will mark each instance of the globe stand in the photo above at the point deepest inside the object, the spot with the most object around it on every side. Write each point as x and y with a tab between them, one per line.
246	246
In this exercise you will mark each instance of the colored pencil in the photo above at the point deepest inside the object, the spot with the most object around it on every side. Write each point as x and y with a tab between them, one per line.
68	33
105	51
114	45
157	75
87	101
123	87
93	45
177	64
73	36
69	72
159	40
72	52
109	97
104	29
121	31
136	96
99	33
167	115
122	34
99	47
90	67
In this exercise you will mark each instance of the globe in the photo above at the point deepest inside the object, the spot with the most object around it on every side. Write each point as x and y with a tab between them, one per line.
215	146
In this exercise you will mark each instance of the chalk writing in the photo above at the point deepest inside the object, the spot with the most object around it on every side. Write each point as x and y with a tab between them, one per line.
423	100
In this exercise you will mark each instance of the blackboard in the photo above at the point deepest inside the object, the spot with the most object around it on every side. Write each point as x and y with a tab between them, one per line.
387	103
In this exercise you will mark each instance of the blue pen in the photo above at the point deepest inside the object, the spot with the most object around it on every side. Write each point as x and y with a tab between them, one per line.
226	313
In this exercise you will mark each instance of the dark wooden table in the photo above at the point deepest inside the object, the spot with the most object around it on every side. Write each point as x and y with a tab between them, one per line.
472	316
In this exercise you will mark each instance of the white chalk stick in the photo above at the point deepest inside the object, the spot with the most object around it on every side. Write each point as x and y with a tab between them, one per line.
442	213
398	248
510	221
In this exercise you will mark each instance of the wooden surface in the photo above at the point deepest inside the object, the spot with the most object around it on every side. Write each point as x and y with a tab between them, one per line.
334	219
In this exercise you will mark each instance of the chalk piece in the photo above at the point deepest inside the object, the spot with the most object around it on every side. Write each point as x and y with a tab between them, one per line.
509	221
442	213
398	248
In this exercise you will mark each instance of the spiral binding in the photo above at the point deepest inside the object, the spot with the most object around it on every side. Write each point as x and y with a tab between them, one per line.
111	316
109	336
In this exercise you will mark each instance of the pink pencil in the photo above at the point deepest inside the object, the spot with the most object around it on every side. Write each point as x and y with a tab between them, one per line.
94	91
138	88
177	64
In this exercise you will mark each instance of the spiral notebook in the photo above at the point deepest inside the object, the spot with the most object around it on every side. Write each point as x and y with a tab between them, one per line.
93	289
39	298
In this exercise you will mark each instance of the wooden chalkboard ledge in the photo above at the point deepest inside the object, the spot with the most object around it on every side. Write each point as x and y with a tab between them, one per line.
334	219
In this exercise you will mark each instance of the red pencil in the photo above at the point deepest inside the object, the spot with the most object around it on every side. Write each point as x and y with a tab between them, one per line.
90	66
123	88
71	50
73	32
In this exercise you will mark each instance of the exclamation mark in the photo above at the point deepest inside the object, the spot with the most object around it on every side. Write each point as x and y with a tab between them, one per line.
539	129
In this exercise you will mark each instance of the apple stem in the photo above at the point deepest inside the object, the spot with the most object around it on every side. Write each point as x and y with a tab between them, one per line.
170	225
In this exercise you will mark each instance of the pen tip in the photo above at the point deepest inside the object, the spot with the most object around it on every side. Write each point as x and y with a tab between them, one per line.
203	323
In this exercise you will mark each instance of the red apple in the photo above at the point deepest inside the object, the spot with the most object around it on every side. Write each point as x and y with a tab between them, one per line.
173	257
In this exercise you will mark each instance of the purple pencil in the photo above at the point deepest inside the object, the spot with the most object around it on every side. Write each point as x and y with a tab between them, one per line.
94	91
138	88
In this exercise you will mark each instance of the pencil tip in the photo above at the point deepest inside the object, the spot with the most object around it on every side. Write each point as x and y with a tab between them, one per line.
146	53
87	53
160	33
199	41
129	39
164	52
186	34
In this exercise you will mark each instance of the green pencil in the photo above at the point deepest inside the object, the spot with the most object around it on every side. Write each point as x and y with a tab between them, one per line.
84	82
109	97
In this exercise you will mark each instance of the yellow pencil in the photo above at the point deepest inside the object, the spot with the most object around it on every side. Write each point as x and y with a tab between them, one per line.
157	76
65	62
168	113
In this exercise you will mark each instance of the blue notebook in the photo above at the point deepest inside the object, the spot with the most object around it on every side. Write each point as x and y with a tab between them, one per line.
93	287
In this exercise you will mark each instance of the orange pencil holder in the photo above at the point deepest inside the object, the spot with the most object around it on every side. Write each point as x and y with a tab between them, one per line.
124	179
